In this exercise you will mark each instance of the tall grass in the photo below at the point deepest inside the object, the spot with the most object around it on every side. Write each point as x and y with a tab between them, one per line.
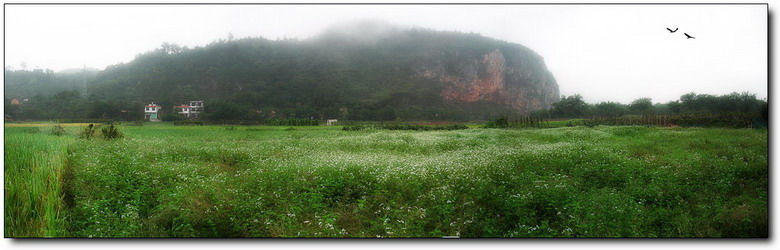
322	182
34	165
209	181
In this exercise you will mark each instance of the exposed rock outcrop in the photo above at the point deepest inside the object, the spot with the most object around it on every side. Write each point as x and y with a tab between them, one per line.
520	80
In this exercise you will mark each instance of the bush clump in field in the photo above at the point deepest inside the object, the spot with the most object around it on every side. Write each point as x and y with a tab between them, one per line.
718	120
292	122
405	127
58	130
172	117
500	122
82	120
111	132
188	123
353	128
522	122
88	132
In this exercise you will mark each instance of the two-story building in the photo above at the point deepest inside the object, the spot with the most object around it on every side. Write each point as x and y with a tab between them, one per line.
152	112
196	108
191	111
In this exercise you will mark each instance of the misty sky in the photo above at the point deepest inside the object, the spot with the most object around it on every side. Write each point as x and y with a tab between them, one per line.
603	52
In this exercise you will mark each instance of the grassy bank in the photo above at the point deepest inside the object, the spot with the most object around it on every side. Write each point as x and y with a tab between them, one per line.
35	163
321	182
213	181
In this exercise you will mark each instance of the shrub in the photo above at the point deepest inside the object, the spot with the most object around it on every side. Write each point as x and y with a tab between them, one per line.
353	128
455	127
292	122
520	122
88	131
82	120
396	126
58	130
111	132
172	117
502	122
188	123
722	120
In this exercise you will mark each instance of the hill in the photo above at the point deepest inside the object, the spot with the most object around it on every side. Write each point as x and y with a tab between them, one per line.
359	71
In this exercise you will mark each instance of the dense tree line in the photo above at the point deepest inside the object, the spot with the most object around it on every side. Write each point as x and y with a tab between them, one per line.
691	103
71	105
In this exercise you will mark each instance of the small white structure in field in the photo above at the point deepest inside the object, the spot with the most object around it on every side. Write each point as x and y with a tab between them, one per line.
151	112
331	122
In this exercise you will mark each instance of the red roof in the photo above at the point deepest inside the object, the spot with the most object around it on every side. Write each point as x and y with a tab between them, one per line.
152	106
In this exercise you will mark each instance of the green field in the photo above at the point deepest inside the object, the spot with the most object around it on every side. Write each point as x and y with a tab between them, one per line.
219	181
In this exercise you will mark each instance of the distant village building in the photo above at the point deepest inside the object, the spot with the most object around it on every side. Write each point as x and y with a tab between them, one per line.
191	111
183	110
196	108
152	112
15	102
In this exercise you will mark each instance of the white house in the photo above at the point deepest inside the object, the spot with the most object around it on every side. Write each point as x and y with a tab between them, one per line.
196	108
151	112
191	111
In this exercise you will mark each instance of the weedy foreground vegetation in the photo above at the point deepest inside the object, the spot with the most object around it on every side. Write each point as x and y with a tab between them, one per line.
34	170
264	181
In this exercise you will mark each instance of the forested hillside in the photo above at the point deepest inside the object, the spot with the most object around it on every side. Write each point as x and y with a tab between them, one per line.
363	71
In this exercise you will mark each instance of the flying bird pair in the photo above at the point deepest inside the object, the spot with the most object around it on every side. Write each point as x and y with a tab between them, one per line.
675	30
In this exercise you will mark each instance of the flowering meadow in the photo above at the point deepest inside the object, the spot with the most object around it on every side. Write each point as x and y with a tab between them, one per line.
161	180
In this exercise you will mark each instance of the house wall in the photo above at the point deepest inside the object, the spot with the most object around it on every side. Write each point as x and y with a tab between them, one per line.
152	113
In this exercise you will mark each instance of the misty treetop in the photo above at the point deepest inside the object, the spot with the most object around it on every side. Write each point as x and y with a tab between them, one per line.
22	84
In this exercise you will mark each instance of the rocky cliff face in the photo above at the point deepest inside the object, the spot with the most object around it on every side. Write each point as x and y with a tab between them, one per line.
510	76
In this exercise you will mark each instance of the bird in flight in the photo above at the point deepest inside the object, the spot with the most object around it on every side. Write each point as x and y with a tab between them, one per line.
672	31
689	36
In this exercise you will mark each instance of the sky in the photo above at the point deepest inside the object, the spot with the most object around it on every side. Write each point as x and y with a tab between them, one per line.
603	52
